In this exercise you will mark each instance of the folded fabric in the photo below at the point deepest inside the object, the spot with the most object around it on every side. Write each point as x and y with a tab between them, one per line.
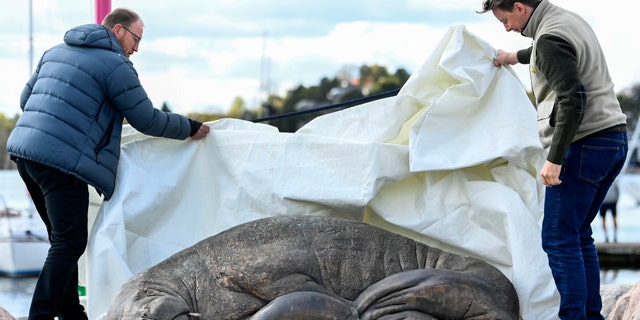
451	161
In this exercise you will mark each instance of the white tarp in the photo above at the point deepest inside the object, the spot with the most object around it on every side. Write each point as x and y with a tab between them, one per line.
452	161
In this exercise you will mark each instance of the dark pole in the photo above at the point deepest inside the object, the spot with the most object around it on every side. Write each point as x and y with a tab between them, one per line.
345	104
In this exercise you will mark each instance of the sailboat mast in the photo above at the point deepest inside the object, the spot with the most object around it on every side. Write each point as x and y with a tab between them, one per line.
30	37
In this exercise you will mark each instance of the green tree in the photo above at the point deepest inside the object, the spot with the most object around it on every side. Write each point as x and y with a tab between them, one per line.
630	103
238	108
289	106
325	87
372	79
6	126
630	100
392	82
165	107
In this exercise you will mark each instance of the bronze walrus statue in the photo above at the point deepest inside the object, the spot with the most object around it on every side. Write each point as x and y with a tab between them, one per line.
310	267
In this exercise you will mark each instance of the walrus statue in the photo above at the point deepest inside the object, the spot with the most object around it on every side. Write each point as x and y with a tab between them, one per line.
311	267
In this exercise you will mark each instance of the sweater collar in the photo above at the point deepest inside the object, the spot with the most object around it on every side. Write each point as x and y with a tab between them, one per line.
539	10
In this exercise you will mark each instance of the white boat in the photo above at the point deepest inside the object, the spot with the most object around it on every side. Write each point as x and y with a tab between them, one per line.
630	183
23	235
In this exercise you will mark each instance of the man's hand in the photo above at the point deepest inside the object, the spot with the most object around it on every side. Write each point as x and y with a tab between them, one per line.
505	58
201	133
551	174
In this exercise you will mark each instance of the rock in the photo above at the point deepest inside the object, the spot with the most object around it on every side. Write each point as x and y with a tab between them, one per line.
610	294
627	307
5	315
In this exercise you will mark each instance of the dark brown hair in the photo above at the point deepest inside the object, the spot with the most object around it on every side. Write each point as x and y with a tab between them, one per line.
506	5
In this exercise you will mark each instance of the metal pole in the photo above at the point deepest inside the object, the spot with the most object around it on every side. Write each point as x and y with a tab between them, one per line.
30	37
103	7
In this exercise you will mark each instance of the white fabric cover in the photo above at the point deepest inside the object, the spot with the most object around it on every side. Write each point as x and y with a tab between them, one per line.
452	161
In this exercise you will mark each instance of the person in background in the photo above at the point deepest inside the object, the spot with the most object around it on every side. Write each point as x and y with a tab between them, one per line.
610	203
68	137
583	129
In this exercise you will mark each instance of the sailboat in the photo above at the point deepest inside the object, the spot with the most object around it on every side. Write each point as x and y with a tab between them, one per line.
23	235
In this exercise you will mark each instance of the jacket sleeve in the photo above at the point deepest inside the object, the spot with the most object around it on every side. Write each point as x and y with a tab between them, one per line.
524	55
129	97
558	63
28	88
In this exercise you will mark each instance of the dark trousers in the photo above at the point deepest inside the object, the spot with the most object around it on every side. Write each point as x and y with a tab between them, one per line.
62	202
611	206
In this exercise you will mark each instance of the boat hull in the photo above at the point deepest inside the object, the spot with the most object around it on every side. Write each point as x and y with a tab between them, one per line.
22	257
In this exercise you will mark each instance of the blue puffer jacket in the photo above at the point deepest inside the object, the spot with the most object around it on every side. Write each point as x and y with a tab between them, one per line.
74	104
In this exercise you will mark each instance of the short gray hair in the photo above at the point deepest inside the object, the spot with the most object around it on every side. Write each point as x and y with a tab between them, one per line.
123	16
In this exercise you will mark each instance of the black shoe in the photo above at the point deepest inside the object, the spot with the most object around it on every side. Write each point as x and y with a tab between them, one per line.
80	316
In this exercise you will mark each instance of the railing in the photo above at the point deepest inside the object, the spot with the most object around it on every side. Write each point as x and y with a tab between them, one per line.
349	103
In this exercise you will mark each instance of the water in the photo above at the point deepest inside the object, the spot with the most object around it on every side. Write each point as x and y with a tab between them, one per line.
628	219
15	295
622	276
628	231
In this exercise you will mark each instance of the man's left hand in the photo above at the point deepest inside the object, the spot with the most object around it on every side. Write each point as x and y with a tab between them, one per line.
551	174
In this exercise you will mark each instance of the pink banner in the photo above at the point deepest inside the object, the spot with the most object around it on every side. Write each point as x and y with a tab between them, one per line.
103	7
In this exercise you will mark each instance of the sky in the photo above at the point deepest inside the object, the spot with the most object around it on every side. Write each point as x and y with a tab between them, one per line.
197	56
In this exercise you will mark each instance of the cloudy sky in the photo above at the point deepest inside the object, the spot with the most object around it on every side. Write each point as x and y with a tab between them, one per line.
200	55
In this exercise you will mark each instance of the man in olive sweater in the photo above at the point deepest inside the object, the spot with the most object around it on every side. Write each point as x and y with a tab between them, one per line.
584	130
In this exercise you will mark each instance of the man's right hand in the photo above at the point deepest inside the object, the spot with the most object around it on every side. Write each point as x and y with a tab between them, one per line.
505	58
201	133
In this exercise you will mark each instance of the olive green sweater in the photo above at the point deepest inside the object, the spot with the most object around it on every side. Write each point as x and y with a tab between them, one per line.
570	80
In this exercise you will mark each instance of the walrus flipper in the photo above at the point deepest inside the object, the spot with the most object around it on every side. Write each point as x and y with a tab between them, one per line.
305	305
437	294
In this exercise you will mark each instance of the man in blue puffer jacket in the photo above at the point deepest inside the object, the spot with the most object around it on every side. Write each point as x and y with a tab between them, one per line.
68	137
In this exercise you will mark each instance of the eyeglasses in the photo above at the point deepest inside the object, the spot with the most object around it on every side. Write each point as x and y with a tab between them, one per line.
136	37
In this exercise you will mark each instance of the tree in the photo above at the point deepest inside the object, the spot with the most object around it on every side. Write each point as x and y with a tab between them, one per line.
289	106
372	80
393	82
165	107
630	100
238	108
6	126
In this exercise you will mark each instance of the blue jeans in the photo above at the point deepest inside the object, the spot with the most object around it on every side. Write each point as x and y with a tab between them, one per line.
62	202
588	170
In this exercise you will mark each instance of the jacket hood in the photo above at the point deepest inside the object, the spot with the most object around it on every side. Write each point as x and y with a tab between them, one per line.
93	35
